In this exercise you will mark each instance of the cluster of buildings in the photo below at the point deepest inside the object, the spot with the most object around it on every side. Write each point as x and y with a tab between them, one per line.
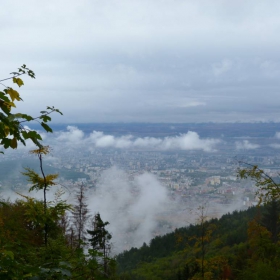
186	174
208	176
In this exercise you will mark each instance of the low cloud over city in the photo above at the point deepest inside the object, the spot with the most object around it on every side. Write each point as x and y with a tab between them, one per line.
188	141
246	145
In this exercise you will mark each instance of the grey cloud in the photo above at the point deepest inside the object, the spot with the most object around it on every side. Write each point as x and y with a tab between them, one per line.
146	60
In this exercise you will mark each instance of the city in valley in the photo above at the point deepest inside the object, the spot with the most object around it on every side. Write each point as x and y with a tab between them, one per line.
183	171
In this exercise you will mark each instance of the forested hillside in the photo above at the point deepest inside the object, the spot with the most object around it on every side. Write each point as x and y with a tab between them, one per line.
241	245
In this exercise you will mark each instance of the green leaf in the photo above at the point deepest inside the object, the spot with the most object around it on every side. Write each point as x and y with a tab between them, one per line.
24	134
58	111
4	97
6	142
34	135
46	127
10	254
45	118
27	117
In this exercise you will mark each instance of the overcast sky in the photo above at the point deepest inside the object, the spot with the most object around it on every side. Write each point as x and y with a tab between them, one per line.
146	60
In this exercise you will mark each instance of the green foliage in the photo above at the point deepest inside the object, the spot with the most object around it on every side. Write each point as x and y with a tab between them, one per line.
260	271
268	189
100	237
12	128
177	255
101	246
33	240
24	253
270	219
38	181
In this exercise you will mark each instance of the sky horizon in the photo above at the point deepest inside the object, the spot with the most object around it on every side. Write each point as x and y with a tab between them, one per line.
131	61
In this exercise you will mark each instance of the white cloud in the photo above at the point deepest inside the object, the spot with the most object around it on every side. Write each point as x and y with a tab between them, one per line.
134	206
73	135
97	139
245	145
131	207
188	141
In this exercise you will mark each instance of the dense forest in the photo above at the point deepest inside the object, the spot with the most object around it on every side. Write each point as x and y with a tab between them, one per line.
240	245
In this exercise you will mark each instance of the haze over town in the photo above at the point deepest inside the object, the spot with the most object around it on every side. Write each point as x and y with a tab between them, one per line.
149	179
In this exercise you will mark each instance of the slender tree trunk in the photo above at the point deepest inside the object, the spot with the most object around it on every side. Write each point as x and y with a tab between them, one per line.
45	198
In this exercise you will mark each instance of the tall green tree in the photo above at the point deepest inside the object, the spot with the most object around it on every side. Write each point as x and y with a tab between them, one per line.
270	219
100	241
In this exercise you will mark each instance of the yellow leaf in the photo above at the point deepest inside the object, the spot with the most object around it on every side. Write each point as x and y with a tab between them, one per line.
13	94
9	105
43	150
6	130
6	105
14	143
18	81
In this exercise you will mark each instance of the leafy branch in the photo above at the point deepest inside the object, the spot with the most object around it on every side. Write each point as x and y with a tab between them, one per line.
11	125
268	188
21	71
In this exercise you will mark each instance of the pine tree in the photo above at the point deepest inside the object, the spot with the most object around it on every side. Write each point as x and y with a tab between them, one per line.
100	240
270	218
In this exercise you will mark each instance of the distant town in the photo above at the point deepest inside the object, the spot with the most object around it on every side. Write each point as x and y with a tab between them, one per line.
188	175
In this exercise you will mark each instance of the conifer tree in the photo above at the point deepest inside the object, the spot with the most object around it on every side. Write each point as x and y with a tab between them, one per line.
100	240
270	218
